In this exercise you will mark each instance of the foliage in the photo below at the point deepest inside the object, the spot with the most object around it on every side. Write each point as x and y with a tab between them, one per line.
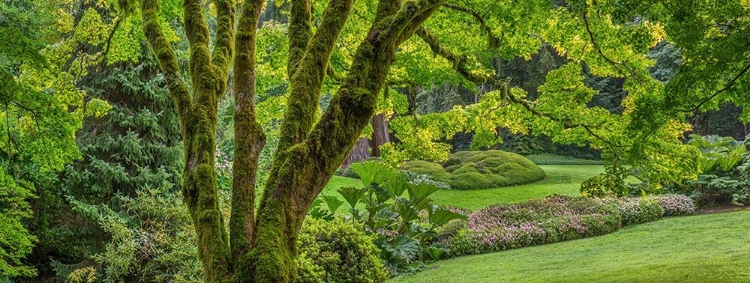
610	183
554	219
723	180
676	205
399	213
152	239
718	154
635	210
535	222
466	170
42	108
553	159
335	251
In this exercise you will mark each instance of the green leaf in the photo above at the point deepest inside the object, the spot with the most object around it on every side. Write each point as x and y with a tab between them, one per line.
372	172
396	185
333	203
419	193
441	216
352	195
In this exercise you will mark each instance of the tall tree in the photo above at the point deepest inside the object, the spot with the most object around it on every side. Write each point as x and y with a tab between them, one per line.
260	245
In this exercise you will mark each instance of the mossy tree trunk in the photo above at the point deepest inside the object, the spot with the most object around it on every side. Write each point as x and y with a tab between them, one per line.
261	246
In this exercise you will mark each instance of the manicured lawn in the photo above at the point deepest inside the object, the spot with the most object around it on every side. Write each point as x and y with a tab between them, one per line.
704	248
561	179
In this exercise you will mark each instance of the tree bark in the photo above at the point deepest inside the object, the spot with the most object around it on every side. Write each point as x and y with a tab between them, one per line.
379	133
360	151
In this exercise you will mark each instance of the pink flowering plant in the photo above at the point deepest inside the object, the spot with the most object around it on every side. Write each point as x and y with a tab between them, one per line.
676	205
635	210
549	220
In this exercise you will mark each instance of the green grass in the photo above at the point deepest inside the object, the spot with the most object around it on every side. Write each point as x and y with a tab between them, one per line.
554	159
561	180
703	248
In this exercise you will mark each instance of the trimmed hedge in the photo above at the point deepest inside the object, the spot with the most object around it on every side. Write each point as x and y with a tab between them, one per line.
465	170
554	219
334	251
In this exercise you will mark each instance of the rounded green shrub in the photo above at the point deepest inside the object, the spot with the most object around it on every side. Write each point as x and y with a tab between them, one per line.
335	251
466	170
434	170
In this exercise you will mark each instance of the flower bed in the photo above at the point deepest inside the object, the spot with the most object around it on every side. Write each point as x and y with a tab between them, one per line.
555	219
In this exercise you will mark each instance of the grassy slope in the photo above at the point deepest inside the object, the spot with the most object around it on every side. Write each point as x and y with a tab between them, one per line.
704	248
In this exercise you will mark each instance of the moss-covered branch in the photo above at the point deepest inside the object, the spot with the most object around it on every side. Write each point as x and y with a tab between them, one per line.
300	30
167	61
249	140
307	81
224	41
196	30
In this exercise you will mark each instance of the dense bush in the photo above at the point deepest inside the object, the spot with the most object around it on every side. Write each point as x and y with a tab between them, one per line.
676	205
479	170
635	210
554	219
335	251
397	212
153	242
554	159
724	164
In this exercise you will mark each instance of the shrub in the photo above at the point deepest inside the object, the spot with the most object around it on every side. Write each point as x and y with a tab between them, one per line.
676	205
635	210
399	213
434	170
554	219
466	170
336	251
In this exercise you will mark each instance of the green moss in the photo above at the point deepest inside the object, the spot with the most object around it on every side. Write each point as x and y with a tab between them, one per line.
466	170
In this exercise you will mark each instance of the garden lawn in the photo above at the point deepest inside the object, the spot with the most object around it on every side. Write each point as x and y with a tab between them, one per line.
703	248
561	180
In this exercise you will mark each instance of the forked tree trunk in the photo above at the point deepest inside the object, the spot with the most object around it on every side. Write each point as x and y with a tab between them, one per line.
263	248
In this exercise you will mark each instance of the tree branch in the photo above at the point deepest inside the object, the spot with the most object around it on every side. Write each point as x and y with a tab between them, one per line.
198	37
224	42
494	41
249	136
723	89
598	49
462	68
300	30
307	81
167	61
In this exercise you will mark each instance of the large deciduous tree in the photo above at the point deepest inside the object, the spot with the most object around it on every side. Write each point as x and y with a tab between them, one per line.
262	248
259	244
